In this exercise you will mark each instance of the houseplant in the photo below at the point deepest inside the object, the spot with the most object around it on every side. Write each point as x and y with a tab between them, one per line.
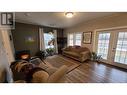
95	57
50	51
41	54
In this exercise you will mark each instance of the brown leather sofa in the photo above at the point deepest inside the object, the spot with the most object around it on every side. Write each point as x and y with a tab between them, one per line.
52	74
49	74
76	52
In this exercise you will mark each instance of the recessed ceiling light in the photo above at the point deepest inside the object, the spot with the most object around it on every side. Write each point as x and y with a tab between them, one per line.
69	14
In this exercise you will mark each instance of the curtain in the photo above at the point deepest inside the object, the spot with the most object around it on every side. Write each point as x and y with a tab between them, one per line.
41	36
55	36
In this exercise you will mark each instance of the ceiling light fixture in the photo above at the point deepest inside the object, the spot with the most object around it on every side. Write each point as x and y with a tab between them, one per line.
69	14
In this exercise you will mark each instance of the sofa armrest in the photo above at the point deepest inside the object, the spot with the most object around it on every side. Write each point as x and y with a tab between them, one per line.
85	55
55	77
66	49
63	49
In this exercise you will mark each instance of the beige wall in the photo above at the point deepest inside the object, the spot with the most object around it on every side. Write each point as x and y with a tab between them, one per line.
115	20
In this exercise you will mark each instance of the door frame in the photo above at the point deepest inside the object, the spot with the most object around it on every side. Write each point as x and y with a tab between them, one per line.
108	55
115	45
95	43
8	44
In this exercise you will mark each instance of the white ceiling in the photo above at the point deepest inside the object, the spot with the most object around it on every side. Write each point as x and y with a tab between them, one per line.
57	19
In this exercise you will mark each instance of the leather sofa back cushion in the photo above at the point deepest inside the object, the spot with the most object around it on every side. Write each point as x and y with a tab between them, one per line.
78	49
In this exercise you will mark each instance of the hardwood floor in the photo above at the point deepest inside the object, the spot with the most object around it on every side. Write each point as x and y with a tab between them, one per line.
92	72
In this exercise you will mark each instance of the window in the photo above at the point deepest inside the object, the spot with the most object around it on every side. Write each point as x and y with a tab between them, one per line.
74	39
121	48
70	39
48	38
103	44
78	39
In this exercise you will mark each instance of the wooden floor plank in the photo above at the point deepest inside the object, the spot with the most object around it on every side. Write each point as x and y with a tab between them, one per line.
92	72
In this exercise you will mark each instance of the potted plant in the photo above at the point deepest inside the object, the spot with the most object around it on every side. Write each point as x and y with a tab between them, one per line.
50	51
95	57
41	54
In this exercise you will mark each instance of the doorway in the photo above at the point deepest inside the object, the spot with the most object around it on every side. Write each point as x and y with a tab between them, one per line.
112	46
8	44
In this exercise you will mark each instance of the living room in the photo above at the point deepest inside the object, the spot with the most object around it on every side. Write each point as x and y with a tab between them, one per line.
63	47
86	47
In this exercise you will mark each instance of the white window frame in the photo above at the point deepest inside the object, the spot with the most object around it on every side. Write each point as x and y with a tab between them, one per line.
111	56
80	40
68	39
74	38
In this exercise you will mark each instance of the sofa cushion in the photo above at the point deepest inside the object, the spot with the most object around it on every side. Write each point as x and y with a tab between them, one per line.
48	68
74	54
78	53
40	77
51	70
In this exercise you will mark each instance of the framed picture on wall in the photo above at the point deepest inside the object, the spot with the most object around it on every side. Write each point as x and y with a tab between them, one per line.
87	37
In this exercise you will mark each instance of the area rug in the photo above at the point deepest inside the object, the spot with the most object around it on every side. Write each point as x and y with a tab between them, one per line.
58	61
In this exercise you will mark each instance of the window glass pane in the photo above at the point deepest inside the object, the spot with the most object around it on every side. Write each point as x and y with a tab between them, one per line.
78	39
47	38
121	49
74	39
70	39
103	44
